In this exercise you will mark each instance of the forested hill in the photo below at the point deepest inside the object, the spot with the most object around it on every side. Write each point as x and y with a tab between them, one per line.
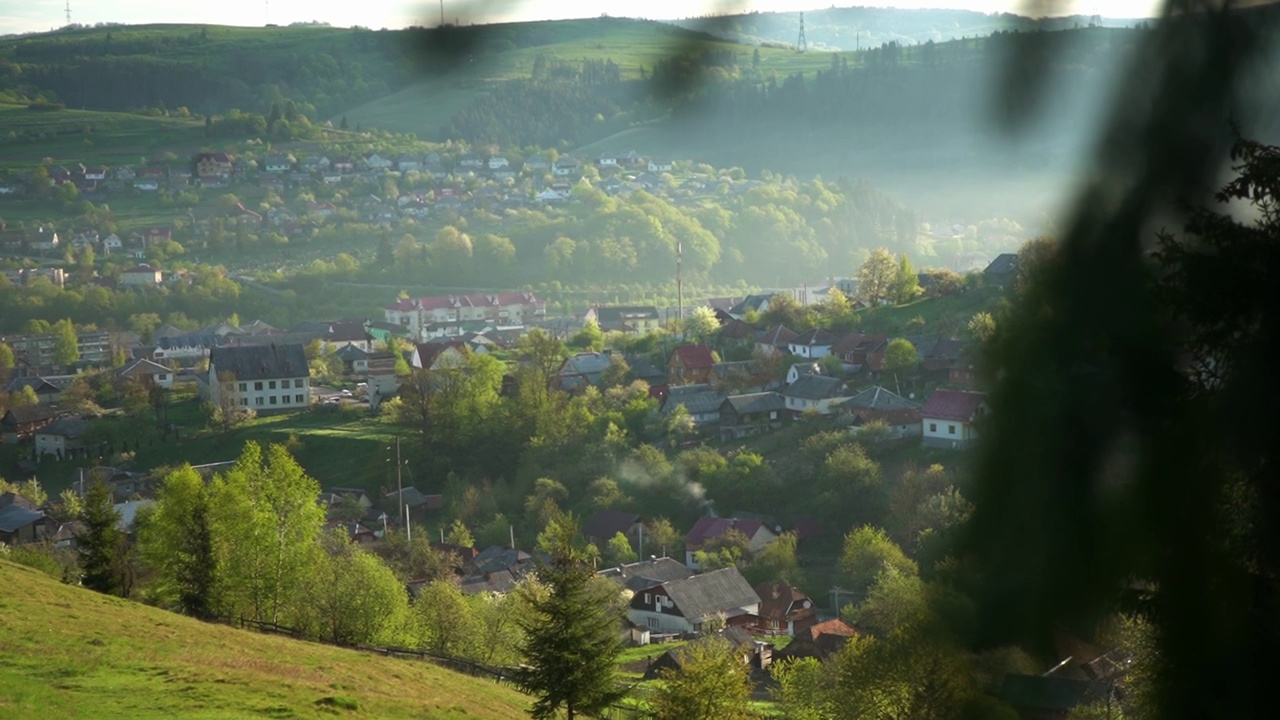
848	29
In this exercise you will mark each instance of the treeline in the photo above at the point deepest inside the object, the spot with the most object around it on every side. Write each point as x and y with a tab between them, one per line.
543	113
780	231
129	70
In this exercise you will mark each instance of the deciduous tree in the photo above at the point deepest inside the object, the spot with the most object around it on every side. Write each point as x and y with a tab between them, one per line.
711	683
876	278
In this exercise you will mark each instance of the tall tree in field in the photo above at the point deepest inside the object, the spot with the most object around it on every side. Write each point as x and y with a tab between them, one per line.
66	350
876	278
900	356
906	284
353	597
98	546
177	543
571	635
265	521
712	683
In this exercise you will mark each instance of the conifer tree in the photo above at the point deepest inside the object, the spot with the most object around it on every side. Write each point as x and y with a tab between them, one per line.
99	543
571	635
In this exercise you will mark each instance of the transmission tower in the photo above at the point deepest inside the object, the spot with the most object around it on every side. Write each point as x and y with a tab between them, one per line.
68	12
801	44
1095	20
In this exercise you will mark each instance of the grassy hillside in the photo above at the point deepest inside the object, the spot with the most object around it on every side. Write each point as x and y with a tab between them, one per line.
90	136
423	107
68	652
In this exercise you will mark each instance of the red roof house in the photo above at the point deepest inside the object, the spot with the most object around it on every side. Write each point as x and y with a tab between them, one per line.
690	365
948	419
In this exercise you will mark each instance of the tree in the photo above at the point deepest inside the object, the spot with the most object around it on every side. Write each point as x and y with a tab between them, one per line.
876	278
900	356
226	410
32	490
620	551
571	635
982	326
177	542
265	521
459	535
7	361
906	283
98	545
701	324
135	400
66	349
589	337
836	311
777	561
662	536
442	620
786	310
23	397
353	597
711	683
867	552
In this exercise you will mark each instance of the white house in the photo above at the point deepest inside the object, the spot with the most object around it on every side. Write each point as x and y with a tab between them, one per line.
708	528
683	605
60	437
948	418
497	162
660	166
147	372
141	276
263	378
811	344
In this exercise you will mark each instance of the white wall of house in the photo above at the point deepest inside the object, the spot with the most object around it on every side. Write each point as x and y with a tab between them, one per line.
266	395
802	405
809	351
943	433
660	622
51	444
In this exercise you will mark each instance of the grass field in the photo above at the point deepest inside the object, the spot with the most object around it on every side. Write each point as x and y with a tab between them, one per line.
344	449
89	136
68	652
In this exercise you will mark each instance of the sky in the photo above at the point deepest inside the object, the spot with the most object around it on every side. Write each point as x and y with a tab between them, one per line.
17	16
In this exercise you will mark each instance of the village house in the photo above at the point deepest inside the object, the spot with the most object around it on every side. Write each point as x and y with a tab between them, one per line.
855	349
634	319
1002	270
262	378
878	404
659	166
816	393
811	344
601	527
565	167
213	164
784	610
819	641
505	309
141	276
758	304
774	340
61	438
21	522
580	370
643	574
437	355
690	364
950	417
799	369
748	415
20	423
150	374
684	605
707	529
701	401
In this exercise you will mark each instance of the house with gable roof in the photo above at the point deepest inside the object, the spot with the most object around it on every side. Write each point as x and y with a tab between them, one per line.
784	610
949	418
264	378
708	528
818	393
684	605
690	364
811	344
878	404
701	401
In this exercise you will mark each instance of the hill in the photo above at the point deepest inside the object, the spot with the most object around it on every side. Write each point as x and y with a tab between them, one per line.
69	652
89	136
854	28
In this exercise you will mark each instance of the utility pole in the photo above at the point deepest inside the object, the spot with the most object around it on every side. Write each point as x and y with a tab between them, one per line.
679	285
408	529
441	13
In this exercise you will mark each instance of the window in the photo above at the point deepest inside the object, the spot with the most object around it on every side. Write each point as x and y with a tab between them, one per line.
298	383
298	399
244	401
244	387
648	598
273	399
951	429
271	385
653	623
933	427
257	400
257	385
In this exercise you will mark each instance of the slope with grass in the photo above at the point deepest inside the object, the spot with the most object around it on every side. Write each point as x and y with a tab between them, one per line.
69	652
89	136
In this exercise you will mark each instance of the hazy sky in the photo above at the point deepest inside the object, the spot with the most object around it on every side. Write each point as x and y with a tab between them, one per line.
40	15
